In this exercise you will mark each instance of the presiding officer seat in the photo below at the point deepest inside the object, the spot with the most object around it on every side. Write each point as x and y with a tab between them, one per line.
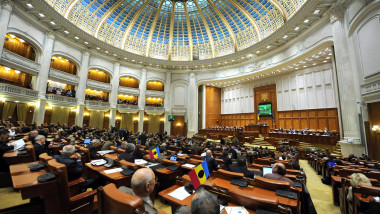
80	203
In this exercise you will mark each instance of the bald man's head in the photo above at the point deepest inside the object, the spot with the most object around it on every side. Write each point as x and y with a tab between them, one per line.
143	182
68	150
279	168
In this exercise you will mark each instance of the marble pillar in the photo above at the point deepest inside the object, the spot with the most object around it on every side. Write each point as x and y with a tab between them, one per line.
142	88
167	102
5	14
192	107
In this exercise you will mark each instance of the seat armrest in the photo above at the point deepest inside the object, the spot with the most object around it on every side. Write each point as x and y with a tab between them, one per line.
75	186
85	199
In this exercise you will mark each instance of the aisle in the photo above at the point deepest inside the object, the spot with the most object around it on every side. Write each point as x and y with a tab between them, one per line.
320	193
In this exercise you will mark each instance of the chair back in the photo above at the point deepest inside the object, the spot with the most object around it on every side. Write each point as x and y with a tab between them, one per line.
227	175
270	184
252	202
129	165
167	162
345	172
113	201
45	158
31	153
61	172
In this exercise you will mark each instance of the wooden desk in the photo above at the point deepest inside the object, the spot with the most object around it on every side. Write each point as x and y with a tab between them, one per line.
175	203
263	130
19	169
114	156
117	178
11	157
321	139
31	188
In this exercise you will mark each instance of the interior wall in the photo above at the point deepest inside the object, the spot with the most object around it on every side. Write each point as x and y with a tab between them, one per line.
238	119
266	94
178	126
213	106
373	142
314	119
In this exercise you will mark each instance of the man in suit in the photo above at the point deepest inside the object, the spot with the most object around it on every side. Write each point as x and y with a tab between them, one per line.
142	138
72	161
32	135
143	182
39	146
4	147
227	160
196	149
203	202
278	173
211	162
242	168
128	154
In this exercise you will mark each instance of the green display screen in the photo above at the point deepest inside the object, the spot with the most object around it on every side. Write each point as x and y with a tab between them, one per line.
171	117
265	109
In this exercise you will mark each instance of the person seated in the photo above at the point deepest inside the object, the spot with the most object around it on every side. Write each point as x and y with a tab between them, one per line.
227	160
211	162
241	167
143	182
12	132
39	146
356	180
281	129
128	154
203	202
278	173
4	147
107	145
72	161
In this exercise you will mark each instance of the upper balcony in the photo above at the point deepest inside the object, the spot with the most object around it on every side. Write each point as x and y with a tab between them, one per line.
59	99
63	76
19	92
99	85
96	104
18	62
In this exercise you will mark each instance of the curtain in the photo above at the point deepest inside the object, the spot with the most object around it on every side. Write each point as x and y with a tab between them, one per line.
127	122
60	115
154	124
8	110
96	119
22	110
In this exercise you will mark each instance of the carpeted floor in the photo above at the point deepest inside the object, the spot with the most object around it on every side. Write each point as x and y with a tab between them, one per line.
320	193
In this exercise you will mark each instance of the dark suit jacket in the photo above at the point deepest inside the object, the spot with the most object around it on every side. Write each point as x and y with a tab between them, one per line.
227	161
137	153
211	163
4	148
74	168
275	176
39	149
127	157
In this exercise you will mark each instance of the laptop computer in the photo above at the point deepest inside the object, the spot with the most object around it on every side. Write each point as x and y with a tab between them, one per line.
331	164
87	141
267	170
173	158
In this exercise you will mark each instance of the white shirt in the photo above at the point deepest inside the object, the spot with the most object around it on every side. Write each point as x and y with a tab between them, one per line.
11	133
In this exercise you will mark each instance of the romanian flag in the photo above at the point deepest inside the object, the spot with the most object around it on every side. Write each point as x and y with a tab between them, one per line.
258	117
154	153
199	174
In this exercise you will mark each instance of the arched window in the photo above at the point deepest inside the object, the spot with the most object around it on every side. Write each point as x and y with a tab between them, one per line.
98	75
19	46
63	64
129	82
155	86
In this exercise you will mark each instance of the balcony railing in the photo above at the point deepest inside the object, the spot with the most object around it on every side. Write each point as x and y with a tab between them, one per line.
19	62
151	93
129	91
17	91
61	99
98	104
154	110
98	85
128	107
63	76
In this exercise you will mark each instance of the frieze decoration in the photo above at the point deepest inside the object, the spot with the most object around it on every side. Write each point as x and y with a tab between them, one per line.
256	66
150	93
99	85
128	107
97	104
370	88
179	111
18	91
129	91
61	99
63	76
20	61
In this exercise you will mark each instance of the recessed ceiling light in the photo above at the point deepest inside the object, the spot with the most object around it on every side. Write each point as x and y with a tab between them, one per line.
114	54
140	62
41	15
218	63
225	62
285	37
325	61
296	68
268	46
29	5
7	69
21	40
297	28
125	58
314	63
316	11
106	51
17	71
327	57
53	23
76	37
306	20
150	63
133	60
257	52
16	101
67	32
86	43
209	65
12	36
233	60
97	48
157	65
330	54
305	66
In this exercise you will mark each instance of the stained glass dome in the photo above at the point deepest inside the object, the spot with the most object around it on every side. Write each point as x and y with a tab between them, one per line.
179	30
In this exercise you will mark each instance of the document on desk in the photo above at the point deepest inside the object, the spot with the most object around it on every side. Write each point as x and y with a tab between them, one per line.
188	165
179	193
109	171
19	143
140	161
104	152
236	210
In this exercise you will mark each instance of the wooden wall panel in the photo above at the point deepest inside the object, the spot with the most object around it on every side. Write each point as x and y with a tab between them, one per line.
315	119
213	106
267	94
237	119
373	138
178	126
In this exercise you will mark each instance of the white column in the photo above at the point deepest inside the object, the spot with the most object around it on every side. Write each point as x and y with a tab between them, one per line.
83	73
39	112
112	117
345	76
45	65
5	13
114	93
204	106
142	88
192	107
79	115
167	102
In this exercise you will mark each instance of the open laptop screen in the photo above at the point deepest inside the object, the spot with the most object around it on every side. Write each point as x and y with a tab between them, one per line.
173	158
267	170
87	141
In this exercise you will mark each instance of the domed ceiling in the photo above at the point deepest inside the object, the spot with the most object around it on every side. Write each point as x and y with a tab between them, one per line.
179	30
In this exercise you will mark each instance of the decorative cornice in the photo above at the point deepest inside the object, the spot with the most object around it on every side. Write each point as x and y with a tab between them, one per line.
63	76
7	5
20	61
61	100
370	88
150	93
129	91
99	85
336	12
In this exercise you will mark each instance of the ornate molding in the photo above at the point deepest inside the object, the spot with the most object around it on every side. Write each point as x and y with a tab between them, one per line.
63	76
179	111
154	110
50	35
370	88
150	93
256	66
16	91
7	5
124	108
336	12
96	104
99	85
61	99
129	91
20	61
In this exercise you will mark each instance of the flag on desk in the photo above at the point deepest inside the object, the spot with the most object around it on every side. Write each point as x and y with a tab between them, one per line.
272	116
258	117
199	174
154	153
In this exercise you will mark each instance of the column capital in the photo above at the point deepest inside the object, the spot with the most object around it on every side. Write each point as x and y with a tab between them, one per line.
192	75
143	70
336	12
116	64
86	53
7	5
50	35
